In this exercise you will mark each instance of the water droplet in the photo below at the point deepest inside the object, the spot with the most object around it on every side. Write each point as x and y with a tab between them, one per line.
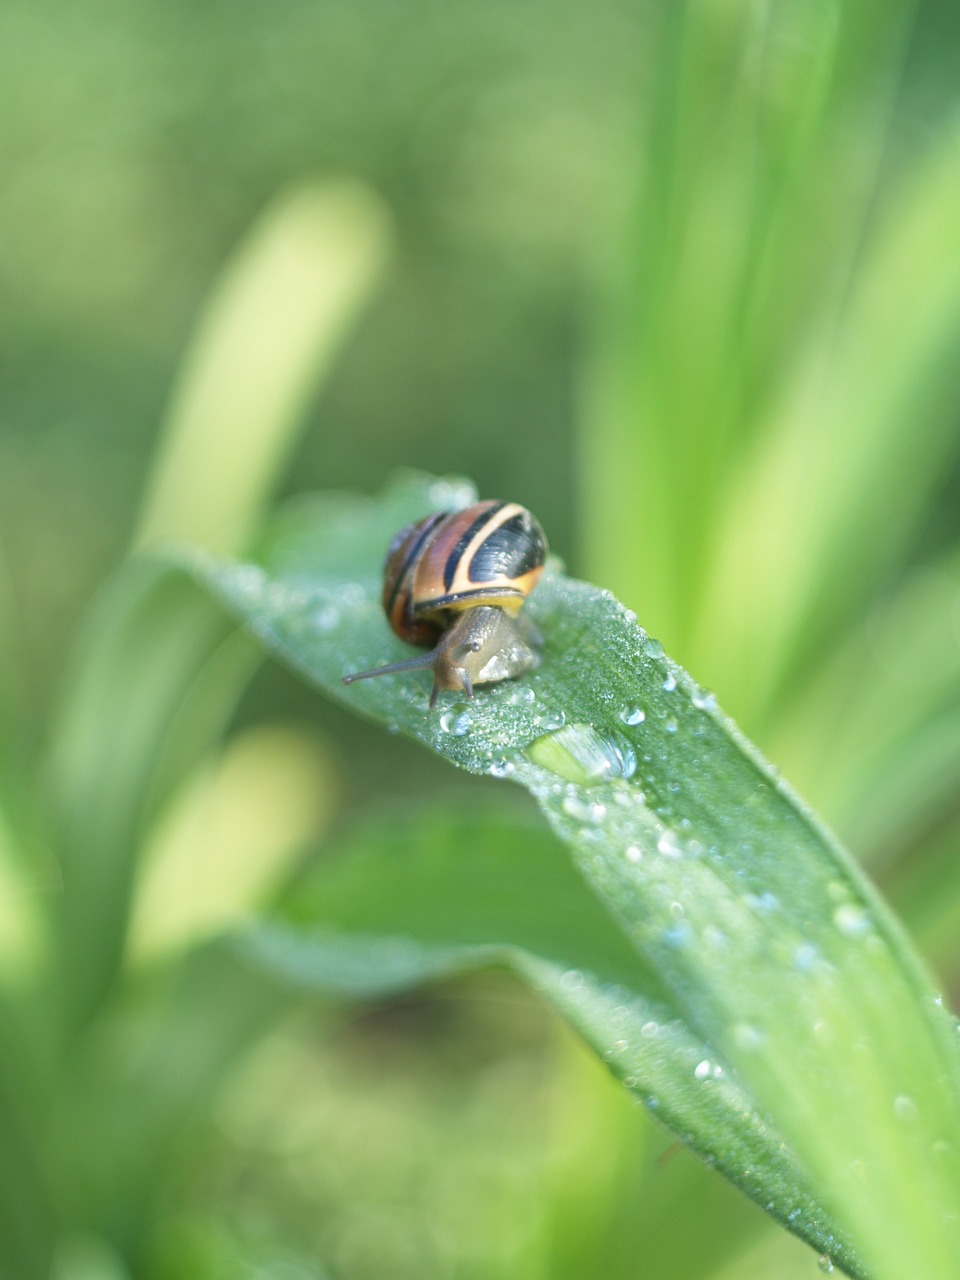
572	980
764	903
521	695
650	1029
632	714
703	1070
326	618
747	1037
500	768
629	615
669	846
670	682
904	1107
551	720
670	724
249	580
825	1263
456	721
633	853
804	957
851	920
452	494
630	1081
581	754
577	808
704	700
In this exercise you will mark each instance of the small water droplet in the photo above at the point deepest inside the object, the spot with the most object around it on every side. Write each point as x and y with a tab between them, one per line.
704	700
633	853
500	768
572	980
851	920
904	1107
326	618
521	695
702	1070
670	724
670	682
551	720
630	1081
650	1029
457	721
629	615
631	714
825	1263
669	845
249	580
452	494
747	1037
804	957
577	808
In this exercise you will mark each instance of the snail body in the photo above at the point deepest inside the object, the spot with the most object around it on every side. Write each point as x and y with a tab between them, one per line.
457	580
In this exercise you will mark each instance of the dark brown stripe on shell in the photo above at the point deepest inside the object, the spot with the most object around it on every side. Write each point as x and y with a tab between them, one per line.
468	535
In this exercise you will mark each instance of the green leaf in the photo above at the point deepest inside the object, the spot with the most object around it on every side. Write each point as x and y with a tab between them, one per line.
772	947
456	890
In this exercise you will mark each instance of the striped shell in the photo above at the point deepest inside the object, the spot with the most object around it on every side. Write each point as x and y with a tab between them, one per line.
489	553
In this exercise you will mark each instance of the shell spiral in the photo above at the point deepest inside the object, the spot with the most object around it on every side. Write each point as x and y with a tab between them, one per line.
490	553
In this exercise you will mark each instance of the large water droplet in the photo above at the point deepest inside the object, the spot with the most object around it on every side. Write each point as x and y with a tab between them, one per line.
825	1263
582	754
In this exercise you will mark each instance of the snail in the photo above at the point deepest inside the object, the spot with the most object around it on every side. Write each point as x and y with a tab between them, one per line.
457	581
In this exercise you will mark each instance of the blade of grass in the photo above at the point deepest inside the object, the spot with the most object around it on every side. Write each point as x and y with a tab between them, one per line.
135	668
762	159
890	766
270	333
762	930
859	436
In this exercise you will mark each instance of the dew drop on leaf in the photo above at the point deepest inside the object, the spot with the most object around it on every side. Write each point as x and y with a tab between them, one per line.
583	755
456	721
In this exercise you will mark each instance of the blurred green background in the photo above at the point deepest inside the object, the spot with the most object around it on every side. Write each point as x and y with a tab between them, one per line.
682	278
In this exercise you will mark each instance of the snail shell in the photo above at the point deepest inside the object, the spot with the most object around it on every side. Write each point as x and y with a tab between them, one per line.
457	580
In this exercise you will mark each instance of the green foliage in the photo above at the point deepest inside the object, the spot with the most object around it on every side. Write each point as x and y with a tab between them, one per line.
767	462
787	1012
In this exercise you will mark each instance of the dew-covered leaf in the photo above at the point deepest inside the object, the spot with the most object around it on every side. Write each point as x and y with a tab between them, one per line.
773	948
458	889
